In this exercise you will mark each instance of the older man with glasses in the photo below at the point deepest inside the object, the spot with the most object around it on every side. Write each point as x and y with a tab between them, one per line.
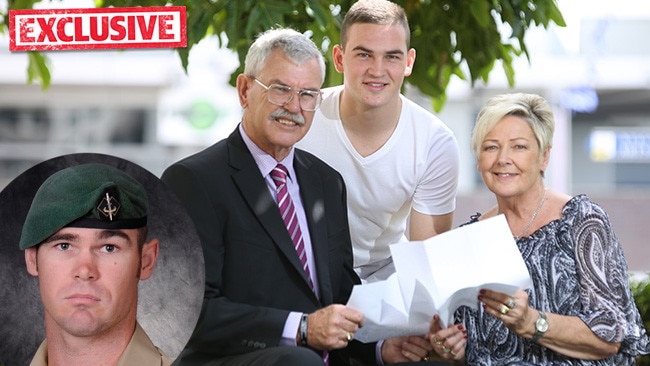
282	94
273	225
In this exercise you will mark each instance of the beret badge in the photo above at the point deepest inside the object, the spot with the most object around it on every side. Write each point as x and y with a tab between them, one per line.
109	206
94	196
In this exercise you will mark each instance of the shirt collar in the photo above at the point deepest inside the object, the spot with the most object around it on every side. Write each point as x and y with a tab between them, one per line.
264	161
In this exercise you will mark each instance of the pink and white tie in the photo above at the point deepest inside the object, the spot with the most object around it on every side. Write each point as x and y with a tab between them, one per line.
279	175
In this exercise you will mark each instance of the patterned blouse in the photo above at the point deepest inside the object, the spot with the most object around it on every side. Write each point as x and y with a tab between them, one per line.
578	269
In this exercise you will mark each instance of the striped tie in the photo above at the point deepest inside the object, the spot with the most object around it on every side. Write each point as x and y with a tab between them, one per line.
279	175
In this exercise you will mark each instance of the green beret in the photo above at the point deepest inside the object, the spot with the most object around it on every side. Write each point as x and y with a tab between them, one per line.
88	196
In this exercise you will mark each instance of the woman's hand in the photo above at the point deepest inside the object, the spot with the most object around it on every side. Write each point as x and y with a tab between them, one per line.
514	311
405	349
448	343
567	335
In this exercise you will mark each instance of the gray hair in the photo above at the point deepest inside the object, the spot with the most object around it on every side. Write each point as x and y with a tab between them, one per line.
297	46
532	108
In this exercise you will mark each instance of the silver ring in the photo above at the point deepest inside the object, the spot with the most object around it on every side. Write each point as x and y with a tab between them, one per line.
348	336
445	349
512	303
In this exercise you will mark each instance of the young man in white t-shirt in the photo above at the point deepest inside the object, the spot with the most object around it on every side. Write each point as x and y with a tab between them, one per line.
399	161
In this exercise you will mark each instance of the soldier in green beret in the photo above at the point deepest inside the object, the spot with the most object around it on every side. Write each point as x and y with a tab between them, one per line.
85	239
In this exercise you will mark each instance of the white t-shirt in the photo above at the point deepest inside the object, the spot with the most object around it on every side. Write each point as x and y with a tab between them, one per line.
417	167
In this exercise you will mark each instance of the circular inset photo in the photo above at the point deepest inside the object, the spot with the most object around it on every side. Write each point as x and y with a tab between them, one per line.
75	267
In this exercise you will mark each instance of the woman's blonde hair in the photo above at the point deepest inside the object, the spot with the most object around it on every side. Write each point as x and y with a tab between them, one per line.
532	108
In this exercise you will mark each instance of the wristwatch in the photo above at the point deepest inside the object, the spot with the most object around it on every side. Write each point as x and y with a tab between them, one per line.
541	326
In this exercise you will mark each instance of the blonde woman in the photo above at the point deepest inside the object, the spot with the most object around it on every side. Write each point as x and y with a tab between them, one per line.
580	310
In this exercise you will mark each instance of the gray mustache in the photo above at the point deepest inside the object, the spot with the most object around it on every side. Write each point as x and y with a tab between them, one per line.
283	113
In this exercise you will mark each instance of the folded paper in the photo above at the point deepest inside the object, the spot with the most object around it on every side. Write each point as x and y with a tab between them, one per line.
438	275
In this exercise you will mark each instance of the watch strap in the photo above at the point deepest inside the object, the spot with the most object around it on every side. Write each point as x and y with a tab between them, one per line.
538	334
303	329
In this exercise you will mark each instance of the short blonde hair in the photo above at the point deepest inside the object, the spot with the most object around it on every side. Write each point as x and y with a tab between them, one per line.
532	108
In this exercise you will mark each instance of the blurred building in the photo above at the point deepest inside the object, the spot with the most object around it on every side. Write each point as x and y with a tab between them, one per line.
596	74
142	106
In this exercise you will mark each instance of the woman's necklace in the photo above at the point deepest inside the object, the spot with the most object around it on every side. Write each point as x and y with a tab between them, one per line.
532	218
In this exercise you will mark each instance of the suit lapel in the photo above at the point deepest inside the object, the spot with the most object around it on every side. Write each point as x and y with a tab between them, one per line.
312	200
255	192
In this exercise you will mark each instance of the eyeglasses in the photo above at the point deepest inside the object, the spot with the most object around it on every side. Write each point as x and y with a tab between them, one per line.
282	94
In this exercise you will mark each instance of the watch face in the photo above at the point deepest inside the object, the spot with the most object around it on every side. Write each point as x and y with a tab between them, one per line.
541	324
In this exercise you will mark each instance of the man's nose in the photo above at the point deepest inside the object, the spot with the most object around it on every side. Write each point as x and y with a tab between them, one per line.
293	105
86	266
376	66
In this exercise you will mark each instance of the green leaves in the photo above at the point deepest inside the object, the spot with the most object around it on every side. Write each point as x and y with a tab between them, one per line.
467	38
241	21
641	293
461	38
21	4
481	12
38	69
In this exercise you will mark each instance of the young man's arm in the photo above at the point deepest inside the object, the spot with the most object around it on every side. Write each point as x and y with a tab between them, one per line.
423	226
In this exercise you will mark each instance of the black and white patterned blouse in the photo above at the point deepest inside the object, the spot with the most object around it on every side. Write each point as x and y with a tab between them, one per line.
577	268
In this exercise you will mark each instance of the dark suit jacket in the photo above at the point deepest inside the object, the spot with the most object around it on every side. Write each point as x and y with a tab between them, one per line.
253	275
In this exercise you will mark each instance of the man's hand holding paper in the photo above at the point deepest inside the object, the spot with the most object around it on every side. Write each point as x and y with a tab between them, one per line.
438	275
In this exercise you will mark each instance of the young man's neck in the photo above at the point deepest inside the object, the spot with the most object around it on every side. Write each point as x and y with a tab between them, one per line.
379	117
104	349
369	128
